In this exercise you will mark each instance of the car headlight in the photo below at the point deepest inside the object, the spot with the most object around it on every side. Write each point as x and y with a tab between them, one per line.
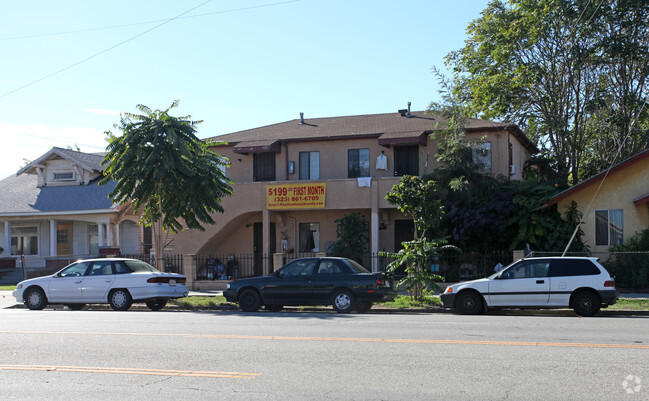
227	286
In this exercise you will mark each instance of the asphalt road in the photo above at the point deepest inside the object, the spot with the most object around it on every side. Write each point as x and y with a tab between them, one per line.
143	355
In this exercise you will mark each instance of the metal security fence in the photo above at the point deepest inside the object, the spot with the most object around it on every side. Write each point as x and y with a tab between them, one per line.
630	269
172	263
230	266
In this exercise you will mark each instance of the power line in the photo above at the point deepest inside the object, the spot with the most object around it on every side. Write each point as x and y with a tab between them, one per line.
103	51
40	35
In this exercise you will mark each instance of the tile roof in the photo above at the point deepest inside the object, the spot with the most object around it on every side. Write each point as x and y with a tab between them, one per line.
19	195
376	125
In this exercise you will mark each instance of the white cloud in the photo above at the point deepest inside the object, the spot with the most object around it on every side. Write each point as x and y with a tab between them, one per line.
21	142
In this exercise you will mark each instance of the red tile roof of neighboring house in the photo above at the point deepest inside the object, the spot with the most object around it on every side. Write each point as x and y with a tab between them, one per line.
599	177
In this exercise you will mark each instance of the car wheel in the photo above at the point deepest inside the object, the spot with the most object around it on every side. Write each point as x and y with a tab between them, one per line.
342	301
156	304
469	303
120	299
362	307
586	303
75	306
249	301
34	299
274	308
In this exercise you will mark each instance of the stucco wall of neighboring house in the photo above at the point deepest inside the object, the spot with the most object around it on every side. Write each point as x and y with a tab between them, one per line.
617	192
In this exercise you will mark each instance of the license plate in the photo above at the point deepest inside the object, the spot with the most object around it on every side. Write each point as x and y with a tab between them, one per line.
172	281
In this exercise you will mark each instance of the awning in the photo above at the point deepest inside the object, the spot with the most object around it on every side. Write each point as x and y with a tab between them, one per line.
643	200
404	138
272	145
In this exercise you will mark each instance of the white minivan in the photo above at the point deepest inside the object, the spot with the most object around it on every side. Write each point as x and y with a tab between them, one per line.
582	284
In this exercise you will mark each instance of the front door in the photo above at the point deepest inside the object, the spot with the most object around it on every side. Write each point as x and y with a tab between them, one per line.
258	246
294	284
64	239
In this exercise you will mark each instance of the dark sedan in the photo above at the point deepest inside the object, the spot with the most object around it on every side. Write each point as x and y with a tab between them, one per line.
340	282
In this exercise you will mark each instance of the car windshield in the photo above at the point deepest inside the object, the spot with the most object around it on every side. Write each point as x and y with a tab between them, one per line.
139	266
357	267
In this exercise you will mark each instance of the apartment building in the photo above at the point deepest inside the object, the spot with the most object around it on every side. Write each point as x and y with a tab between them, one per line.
294	179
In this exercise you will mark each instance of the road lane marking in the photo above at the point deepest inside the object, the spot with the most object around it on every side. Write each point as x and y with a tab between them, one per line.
132	371
342	339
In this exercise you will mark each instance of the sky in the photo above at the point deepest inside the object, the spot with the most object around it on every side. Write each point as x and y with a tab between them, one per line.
70	67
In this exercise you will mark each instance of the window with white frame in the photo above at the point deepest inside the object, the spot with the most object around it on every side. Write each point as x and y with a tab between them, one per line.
24	240
309	165
482	157
63	176
609	227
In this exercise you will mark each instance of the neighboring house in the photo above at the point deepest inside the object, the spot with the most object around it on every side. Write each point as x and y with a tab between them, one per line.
294	179
615	203
53	210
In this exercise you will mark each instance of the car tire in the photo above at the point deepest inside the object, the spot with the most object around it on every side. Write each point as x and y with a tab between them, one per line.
362	307
343	301
35	299
156	304
274	308
120	299
75	306
249	301
586	303
469	303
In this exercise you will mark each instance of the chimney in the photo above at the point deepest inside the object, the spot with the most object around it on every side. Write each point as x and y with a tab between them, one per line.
301	118
408	116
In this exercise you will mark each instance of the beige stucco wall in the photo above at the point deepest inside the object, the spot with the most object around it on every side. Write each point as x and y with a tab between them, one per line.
233	230
617	192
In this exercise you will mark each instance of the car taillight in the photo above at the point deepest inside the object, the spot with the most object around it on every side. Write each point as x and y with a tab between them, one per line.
165	280
609	283
380	281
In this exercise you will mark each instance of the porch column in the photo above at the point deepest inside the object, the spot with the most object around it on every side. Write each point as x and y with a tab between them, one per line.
117	238
109	227
100	232
374	224
53	250
266	239
7	251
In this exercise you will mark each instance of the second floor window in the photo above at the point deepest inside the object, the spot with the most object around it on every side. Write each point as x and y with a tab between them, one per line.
406	160
263	166
358	163
309	165
482	158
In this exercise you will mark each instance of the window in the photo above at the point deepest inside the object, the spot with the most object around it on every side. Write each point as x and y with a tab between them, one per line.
64	176
482	157
609	227
263	166
573	267
309	237
358	163
100	269
297	268
406	160
527	269
75	270
24	240
309	165
332	267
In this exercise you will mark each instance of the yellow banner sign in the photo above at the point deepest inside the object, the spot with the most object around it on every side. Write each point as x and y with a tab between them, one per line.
295	196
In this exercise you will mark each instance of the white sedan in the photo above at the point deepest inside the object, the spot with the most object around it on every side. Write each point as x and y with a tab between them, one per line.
116	281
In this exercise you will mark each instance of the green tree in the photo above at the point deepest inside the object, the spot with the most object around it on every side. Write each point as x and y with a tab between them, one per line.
572	74
352	231
416	197
416	256
165	172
